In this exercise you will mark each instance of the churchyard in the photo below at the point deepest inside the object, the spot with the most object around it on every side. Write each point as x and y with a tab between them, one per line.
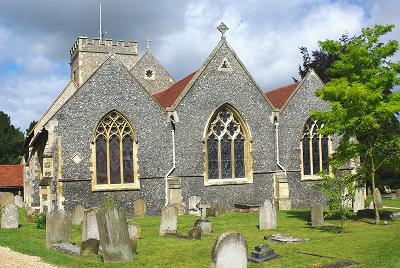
364	243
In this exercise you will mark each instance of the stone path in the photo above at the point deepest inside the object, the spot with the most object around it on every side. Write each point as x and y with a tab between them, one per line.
12	259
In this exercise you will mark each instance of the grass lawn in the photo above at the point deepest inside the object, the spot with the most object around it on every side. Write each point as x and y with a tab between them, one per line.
370	245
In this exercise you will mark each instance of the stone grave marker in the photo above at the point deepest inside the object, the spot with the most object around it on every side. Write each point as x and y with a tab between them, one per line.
89	225
9	217
317	215
58	227
77	214
359	202
193	208
6	198
169	220
262	253
90	247
398	193
139	208
194	233
204	225
114	235
378	197
134	231
68	248
229	250
19	202
267	216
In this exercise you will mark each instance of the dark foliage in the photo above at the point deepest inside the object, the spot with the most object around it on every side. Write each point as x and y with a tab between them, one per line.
11	141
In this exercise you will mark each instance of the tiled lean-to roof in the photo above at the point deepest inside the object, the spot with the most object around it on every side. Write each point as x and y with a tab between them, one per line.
280	96
11	175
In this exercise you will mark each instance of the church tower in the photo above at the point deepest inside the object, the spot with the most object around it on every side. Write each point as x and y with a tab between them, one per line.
88	55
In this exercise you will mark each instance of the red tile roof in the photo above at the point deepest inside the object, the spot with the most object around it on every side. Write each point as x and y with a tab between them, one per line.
167	97
279	96
11	175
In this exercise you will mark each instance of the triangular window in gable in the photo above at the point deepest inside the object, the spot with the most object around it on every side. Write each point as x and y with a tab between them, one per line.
225	66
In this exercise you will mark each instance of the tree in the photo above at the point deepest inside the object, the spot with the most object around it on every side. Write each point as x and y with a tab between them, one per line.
11	141
31	126
363	105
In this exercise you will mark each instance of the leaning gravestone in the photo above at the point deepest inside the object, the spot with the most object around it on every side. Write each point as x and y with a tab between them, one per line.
19	202
6	198
9	217
77	214
193	208
58	227
89	225
114	235
90	247
317	215
194	233
267	215
169	220
139	208
378	197
359	202
229	250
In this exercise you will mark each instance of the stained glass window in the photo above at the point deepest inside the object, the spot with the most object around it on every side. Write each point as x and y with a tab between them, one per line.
315	150
226	146
115	151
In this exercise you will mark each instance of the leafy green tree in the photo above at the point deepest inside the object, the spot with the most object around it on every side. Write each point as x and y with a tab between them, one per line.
11	141
363	104
31	126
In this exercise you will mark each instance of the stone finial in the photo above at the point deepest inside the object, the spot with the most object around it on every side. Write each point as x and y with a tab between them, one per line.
222	28
148	41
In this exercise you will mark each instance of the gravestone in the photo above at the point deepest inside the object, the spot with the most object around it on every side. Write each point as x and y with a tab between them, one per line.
114	235
359	202
77	214
58	227
90	247
169	219
19	202
193	208
204	225
267	216
68	248
6	198
30	213
90	228
139	208
262	253
134	231
398	193
378	197
194	233
9	217
229	250
317	215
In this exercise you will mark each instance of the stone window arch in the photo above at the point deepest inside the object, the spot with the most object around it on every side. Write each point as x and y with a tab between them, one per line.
315	150
115	154
227	145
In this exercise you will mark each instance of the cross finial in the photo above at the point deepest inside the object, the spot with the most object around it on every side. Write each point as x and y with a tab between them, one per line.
148	41
222	28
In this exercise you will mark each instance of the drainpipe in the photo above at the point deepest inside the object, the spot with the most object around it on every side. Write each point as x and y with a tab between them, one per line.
276	124
173	159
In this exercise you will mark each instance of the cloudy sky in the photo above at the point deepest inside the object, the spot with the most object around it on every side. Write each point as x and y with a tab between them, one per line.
36	35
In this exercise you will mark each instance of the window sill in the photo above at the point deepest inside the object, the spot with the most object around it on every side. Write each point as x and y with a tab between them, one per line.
116	187
311	178
213	182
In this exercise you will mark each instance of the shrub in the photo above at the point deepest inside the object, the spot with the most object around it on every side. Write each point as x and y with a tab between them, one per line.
109	202
41	221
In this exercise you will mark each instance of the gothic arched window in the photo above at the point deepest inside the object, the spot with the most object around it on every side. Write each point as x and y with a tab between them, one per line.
315	150
115	158
227	148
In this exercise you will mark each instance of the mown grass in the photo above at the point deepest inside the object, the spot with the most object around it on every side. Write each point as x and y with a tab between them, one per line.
368	244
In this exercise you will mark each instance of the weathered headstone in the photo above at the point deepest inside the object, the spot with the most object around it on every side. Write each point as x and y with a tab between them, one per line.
267	216
89	225
204	225
9	217
90	247
262	253
359	200
114	235
134	231
193	208
139	208
229	250
169	220
30	213
58	227
398	193
6	198
378	197
68	248
317	215
19	202
77	214
203	206
194	233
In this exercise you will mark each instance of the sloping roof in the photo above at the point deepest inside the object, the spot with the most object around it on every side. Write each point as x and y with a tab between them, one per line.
280	96
167	97
11	175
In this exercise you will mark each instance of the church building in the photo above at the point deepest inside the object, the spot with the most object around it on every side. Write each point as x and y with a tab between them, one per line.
124	128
